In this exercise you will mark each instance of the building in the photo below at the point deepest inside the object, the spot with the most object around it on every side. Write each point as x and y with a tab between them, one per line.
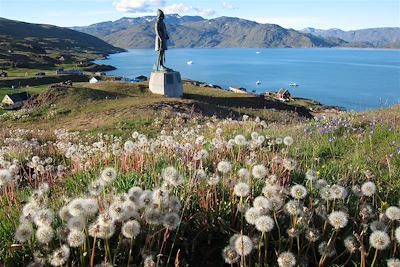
93	80
15	100
283	94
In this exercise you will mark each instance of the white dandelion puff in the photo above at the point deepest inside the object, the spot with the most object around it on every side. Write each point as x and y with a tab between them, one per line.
379	240
286	259
259	171
298	191
241	190
131	229
368	189
243	245
264	223
338	219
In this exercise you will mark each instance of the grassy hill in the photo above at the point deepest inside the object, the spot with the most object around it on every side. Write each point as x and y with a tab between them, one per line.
27	45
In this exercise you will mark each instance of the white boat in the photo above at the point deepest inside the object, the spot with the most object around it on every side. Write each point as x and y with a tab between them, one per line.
258	52
292	84
189	62
258	83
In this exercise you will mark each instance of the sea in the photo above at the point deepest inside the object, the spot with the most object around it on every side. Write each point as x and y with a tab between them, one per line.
354	79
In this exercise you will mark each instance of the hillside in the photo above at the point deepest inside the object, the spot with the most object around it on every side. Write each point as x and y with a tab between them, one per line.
38	45
388	37
187	32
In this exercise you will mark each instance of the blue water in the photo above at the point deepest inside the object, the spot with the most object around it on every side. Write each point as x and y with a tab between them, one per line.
356	79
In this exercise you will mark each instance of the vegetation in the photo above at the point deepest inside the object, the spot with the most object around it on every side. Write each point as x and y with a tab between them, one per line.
170	186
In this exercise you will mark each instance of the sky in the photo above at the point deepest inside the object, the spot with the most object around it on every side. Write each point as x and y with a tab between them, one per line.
296	14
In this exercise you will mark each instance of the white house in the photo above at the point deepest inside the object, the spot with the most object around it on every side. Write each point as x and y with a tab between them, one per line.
15	100
93	80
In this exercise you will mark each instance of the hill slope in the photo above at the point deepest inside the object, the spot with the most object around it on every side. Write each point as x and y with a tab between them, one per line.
388	37
26	44
195	31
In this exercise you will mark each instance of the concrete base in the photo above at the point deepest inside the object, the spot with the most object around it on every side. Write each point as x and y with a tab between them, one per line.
166	83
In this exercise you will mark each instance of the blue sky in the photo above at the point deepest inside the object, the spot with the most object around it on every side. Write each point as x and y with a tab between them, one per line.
297	14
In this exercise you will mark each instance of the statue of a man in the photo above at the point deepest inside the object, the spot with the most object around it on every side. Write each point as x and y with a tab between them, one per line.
161	40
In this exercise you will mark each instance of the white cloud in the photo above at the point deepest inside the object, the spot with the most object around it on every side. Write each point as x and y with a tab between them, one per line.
226	5
182	8
137	6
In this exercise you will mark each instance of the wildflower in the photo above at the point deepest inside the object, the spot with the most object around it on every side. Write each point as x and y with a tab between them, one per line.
337	192
379	240
293	232
289	164
259	171
43	217
368	189
60	256
264	223
75	207
152	216
240	140
356	189
350	244
130	229
149	261
116	211
95	188
171	220
146	199
90	206
243	174
397	234
108	175
288	141
286	259
393	213
293	207
312	234
76	223
76	238
213	180
224	166
326	250
24	232
298	191
278	140
338	219
241	190
276	202
311	175
321	183
160	196
262	203
252	214
129	146
5	176
366	211
378	226
270	191
393	262
243	245
44	234
44	188
230	255
134	193
201	155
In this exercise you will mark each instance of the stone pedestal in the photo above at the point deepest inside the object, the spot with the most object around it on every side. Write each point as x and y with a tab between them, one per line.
166	83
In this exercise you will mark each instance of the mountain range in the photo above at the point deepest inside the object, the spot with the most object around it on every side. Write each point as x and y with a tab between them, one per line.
31	45
222	32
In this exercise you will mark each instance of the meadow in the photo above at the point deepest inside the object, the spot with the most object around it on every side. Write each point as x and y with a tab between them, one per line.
202	191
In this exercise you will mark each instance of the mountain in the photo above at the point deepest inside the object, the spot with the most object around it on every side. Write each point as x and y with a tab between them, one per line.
388	37
38	45
195	31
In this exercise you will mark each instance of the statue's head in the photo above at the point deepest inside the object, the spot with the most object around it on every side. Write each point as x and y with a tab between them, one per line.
160	14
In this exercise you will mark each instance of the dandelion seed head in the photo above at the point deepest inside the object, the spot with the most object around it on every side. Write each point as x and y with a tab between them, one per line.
264	223
397	234
286	259
243	245
393	213
366	211
152	216
75	207
262	203
368	189
379	240
131	229
108	175
338	219
146	199
24	232
241	190
76	238
350	244
356	189
240	140
230	255
252	214
95	188
60	256
393	262
293	207
259	171
289	164
44	234
311	175
224	166
337	192
298	191
44	217
201	175
5	176
378	226
321	183
171	220
134	193
312	234
243	174
288	141
213	180
324	249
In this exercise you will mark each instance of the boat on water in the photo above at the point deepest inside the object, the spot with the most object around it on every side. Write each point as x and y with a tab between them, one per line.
258	82
189	62
292	84
258	52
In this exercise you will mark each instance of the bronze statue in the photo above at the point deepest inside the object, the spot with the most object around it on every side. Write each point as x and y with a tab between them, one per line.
161	40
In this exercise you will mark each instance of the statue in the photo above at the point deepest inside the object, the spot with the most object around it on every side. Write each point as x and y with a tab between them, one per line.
161	40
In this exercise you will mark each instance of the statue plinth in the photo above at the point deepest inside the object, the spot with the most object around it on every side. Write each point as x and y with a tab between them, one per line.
168	83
